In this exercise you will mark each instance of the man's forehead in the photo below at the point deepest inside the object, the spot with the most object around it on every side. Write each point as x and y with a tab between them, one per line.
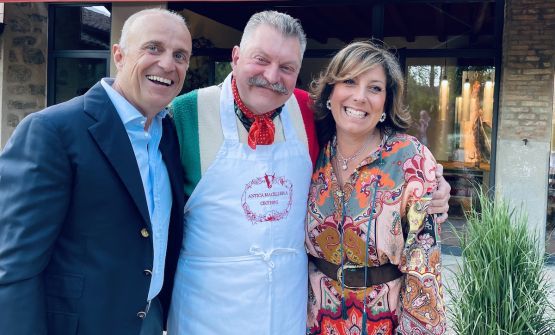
261	41
157	33
156	23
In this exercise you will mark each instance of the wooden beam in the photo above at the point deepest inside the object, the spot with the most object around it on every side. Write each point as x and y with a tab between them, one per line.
480	15
481	18
440	23
399	22
377	21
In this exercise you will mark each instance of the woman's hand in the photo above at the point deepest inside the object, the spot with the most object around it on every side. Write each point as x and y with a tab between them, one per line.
440	198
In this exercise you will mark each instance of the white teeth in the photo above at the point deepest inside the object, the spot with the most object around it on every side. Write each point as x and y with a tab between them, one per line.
160	79
355	113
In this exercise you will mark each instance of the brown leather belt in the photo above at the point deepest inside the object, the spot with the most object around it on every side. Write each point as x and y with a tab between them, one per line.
353	275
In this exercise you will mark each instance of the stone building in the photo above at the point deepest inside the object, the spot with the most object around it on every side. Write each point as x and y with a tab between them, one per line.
480	74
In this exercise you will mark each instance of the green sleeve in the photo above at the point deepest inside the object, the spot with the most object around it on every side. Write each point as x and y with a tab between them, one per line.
185	113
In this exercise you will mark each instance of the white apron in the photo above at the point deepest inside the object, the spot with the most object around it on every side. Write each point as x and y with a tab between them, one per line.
243	267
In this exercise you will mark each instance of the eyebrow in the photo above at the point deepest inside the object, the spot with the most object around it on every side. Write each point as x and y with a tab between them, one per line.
147	43
159	43
373	81
265	54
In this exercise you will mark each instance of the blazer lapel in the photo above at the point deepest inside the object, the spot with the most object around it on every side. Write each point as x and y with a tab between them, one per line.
111	137
169	147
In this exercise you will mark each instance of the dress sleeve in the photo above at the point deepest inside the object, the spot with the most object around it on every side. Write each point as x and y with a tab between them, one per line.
421	307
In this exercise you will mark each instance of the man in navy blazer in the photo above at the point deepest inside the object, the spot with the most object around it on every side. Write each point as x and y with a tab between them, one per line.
90	191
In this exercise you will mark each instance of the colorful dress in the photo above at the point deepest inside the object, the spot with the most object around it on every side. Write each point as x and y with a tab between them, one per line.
400	233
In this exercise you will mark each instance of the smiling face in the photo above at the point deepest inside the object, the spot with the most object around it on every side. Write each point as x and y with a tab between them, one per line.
272	57
357	103
151	70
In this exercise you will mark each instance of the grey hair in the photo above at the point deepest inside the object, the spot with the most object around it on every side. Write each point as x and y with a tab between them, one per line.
145	12
283	23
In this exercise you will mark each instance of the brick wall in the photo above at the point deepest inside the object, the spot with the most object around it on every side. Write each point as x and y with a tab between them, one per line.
526	109
526	103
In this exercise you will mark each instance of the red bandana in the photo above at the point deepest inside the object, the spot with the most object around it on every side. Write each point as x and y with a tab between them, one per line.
262	130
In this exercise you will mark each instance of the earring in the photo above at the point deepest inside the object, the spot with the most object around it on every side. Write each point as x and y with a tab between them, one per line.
328	104
382	118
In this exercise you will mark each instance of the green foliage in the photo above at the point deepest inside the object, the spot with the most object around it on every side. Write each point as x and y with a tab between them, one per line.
222	70
501	286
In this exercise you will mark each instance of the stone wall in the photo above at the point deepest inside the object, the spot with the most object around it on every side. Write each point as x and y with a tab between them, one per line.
23	63
526	106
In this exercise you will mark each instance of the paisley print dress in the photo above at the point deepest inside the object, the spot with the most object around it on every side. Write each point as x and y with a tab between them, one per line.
400	231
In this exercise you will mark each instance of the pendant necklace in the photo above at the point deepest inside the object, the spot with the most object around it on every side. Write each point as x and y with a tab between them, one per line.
344	161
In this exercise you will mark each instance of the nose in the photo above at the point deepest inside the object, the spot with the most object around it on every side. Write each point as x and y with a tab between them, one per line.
272	74
360	93
166	61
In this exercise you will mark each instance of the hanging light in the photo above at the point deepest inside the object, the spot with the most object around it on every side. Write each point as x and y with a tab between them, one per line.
458	121
444	97
458	110
444	91
466	100
488	100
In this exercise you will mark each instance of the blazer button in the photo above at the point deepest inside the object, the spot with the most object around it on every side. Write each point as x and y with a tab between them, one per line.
141	315
148	272
144	233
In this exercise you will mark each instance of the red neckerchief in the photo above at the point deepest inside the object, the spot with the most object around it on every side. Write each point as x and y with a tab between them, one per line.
262	130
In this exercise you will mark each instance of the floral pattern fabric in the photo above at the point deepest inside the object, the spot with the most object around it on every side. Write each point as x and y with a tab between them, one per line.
400	231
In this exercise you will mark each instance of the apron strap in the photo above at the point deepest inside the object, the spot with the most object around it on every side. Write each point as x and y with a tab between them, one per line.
287	124
227	114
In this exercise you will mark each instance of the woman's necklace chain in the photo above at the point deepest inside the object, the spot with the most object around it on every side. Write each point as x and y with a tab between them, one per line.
345	161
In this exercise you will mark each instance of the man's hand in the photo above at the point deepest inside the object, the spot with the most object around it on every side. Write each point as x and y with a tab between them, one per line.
440	198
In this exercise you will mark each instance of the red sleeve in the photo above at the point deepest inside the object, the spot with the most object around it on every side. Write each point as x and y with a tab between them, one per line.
305	105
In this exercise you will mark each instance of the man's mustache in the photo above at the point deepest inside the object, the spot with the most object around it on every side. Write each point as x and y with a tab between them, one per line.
260	81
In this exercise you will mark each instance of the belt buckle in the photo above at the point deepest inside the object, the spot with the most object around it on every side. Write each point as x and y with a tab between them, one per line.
340	275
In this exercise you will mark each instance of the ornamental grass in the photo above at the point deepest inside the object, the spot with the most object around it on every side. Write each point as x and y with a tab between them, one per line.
501	286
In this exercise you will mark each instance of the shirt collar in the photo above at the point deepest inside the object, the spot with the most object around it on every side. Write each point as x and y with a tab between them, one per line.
126	111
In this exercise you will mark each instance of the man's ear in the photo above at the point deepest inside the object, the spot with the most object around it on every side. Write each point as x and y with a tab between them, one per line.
235	56
118	56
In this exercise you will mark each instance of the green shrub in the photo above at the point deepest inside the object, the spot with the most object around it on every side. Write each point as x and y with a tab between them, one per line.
501	285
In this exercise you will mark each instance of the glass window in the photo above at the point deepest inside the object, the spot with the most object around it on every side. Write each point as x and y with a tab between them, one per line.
200	73
78	49
74	76
203	72
451	104
81	28
222	70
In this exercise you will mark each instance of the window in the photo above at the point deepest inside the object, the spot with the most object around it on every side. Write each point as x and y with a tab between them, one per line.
451	102
78	48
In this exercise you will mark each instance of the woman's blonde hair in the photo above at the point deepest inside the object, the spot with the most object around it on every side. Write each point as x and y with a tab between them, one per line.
351	61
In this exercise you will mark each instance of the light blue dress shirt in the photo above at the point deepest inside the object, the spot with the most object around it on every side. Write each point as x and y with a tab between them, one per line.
154	175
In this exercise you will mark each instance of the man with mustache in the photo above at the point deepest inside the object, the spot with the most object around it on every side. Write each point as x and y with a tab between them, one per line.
247	146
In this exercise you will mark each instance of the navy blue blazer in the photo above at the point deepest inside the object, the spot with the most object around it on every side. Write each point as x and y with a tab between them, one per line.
73	251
